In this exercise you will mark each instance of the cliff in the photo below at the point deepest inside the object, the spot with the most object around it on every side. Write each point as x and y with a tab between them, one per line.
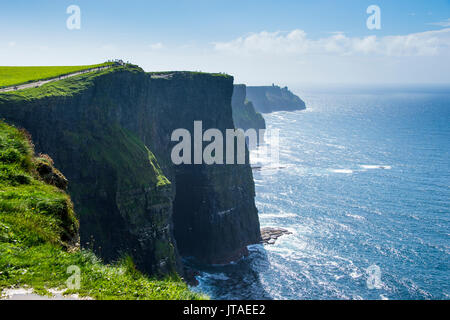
39	240
268	99
109	132
244	113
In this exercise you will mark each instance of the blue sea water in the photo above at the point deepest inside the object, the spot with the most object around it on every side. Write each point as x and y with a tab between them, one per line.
364	181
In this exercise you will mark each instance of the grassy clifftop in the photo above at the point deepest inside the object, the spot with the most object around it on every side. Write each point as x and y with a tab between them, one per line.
10	76
122	198
99	128
68	87
39	233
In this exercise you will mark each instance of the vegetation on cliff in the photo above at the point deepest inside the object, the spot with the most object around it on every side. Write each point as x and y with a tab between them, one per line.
10	76
68	87
39	234
121	195
99	128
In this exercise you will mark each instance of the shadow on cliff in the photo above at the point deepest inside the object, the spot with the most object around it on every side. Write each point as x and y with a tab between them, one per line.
239	280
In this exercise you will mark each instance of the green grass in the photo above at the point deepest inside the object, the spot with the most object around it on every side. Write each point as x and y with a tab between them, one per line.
37	231
68	87
45	266
10	76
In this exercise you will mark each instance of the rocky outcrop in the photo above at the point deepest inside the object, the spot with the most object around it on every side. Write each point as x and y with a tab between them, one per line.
269	235
110	134
48	173
268	99
244	113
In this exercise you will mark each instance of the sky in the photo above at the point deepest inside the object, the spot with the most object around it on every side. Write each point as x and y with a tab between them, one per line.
288	42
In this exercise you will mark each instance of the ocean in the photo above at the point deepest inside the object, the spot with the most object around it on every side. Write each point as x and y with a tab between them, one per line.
364	186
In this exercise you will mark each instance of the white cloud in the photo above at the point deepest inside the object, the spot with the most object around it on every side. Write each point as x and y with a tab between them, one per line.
157	46
445	23
12	44
297	42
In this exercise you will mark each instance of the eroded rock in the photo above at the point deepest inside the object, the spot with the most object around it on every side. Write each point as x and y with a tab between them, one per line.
269	235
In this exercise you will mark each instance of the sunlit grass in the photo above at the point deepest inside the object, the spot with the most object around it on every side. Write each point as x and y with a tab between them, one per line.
37	229
10	76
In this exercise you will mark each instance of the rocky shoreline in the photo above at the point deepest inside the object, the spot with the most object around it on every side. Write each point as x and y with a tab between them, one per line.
269	235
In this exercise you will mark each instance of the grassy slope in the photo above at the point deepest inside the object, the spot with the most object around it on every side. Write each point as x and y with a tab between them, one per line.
116	148
67	87
36	221
10	76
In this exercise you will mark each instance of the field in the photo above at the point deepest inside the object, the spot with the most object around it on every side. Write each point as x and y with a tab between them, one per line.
10	76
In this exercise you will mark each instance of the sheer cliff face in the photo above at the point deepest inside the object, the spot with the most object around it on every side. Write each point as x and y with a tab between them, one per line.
100	136
215	217
244	113
267	99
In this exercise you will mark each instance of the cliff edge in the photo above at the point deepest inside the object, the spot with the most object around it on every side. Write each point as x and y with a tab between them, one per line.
110	133
39	239
268	99
244	113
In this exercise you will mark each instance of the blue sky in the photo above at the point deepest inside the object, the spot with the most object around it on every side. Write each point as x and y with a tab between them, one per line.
295	41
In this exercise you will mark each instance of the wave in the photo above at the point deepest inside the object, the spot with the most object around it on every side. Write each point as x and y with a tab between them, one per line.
214	276
278	215
355	216
375	166
364	167
346	171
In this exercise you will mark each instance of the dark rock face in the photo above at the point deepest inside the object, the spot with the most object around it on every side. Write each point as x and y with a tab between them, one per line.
123	203
244	114
268	99
215	216
101	136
